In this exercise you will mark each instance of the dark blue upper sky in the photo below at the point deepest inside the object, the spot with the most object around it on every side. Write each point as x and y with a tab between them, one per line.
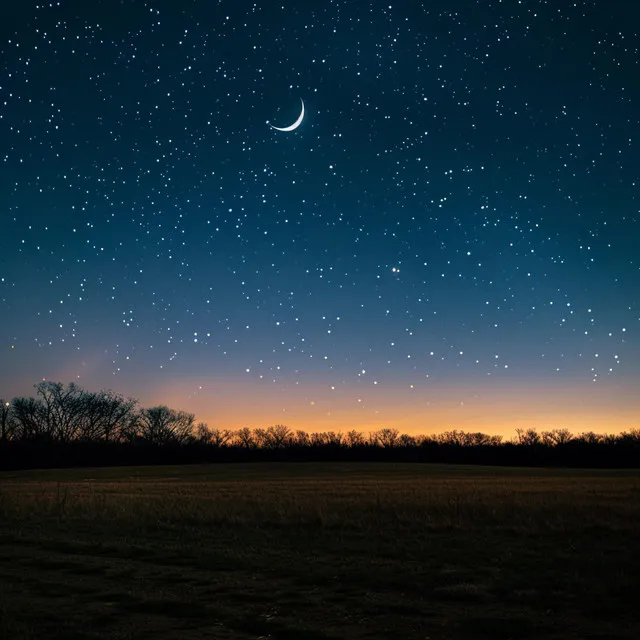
459	204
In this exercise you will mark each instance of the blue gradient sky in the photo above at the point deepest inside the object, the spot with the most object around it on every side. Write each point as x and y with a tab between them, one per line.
449	240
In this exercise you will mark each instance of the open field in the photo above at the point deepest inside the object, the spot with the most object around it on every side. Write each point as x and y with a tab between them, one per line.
320	551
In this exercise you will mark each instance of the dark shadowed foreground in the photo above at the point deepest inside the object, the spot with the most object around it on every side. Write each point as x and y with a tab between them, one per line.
319	551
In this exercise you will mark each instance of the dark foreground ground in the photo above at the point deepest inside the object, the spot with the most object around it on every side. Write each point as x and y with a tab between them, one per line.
320	551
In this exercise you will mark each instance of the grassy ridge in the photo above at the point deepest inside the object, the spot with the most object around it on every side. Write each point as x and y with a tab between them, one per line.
319	551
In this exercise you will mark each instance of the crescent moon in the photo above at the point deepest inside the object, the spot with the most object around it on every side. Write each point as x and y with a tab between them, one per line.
296	124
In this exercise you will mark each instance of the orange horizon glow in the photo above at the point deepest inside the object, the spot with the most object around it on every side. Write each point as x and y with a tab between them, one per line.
495	409
310	408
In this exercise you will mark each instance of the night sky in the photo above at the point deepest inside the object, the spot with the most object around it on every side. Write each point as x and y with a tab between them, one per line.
450	239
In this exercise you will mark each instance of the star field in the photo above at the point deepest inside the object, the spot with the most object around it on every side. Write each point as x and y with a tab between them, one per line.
450	238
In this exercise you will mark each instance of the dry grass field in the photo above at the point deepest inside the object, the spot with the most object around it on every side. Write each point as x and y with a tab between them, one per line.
320	551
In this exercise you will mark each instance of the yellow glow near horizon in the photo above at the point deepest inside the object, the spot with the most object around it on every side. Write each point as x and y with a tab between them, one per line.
315	408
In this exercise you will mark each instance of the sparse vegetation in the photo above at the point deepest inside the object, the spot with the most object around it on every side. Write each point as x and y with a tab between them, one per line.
319	551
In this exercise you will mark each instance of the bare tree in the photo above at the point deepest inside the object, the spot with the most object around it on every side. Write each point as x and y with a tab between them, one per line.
556	437
590	437
354	438
104	415
301	439
318	439
406	441
455	438
215	437
245	438
479	439
88	424
29	417
261	438
63	407
528	437
334	438
325	438
118	413
386	437
221	437
423	440
7	421
274	437
203	433
162	425
631	436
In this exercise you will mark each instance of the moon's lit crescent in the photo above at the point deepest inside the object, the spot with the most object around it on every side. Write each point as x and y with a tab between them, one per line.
295	125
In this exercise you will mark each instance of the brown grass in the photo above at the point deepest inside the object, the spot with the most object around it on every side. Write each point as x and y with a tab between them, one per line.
319	551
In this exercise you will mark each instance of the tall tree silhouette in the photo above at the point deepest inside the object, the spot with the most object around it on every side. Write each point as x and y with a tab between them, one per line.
7	423
162	425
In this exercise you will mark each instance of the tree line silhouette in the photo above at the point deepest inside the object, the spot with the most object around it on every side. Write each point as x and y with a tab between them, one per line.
66	426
